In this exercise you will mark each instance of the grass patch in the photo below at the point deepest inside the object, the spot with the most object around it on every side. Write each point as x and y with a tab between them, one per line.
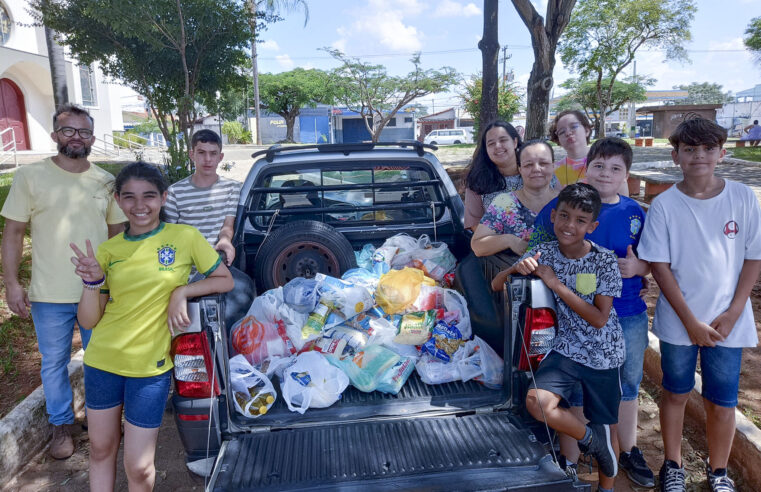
10	330
746	153
752	416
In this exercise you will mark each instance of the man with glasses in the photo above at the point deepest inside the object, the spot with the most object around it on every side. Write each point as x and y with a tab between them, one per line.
64	199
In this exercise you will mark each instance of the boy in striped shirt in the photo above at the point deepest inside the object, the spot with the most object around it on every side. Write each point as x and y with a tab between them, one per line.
206	200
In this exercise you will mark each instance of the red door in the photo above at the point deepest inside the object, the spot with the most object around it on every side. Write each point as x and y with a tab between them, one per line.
13	114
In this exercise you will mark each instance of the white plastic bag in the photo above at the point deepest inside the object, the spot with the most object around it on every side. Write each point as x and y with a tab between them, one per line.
301	294
253	393
311	382
482	363
407	246
455	302
434	371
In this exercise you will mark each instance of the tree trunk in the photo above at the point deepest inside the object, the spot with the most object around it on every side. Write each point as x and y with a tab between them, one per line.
57	69
290	122
539	87
489	46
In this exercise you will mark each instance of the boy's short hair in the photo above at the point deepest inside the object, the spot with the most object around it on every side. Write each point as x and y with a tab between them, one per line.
698	131
205	136
583	196
609	147
70	108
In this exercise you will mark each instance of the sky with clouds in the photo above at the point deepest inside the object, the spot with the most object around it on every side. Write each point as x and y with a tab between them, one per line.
447	32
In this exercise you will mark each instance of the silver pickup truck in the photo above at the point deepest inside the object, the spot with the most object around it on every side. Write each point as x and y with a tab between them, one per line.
305	210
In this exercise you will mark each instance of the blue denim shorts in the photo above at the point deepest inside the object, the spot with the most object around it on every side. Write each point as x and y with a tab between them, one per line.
635	343
144	399
719	370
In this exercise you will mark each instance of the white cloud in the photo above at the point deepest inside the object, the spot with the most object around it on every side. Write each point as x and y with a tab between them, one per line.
270	45
285	61
381	24
450	8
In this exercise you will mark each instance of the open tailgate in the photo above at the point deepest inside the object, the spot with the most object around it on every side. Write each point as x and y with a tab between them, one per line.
470	452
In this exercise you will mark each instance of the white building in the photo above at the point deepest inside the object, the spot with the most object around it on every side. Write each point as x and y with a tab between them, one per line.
26	89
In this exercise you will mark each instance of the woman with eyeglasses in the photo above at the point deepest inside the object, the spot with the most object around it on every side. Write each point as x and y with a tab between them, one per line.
493	170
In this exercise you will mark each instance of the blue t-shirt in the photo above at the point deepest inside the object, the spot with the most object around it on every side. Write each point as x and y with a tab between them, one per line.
620	225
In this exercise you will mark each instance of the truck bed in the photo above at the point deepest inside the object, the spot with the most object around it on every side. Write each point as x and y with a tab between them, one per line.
471	452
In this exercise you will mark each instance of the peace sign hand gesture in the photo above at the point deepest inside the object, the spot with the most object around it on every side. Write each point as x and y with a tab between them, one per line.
86	265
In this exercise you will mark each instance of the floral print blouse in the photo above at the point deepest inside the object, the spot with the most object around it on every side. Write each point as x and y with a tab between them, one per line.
507	215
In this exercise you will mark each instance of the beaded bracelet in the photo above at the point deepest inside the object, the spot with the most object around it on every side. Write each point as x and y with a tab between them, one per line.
95	284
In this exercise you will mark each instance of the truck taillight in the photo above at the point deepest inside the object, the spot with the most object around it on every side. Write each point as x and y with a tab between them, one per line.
192	366
538	333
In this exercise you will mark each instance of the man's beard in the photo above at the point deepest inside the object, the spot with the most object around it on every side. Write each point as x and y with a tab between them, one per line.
79	153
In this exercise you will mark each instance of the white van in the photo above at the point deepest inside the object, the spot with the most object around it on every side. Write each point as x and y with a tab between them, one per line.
450	136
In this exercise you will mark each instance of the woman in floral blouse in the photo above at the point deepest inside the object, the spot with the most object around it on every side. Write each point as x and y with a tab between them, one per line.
509	219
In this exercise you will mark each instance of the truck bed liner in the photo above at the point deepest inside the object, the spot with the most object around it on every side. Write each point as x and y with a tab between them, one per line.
415	397
473	452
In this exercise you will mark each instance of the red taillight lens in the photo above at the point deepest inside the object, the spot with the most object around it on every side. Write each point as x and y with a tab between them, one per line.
538	333
192	366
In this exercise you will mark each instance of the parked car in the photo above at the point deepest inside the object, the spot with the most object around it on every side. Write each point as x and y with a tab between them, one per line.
305	210
449	137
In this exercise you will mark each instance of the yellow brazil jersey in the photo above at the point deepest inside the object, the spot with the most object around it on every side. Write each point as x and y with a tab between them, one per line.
132	338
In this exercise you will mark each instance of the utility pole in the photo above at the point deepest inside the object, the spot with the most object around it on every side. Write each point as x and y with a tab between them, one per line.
433	106
632	114
505	57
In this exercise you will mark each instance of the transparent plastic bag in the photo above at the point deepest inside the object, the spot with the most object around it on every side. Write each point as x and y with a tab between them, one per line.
395	377
398	289
454	302
365	256
481	359
301	294
257	340
253	393
366	368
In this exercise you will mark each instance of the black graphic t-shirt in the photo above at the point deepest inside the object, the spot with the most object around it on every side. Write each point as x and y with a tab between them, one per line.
595	273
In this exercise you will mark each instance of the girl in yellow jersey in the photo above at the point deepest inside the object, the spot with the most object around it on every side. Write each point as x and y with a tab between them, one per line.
135	291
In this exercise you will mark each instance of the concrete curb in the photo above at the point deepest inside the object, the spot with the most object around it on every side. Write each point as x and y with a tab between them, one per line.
745	457
25	430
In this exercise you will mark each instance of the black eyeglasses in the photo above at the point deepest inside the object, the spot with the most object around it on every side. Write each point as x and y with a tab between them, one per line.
68	131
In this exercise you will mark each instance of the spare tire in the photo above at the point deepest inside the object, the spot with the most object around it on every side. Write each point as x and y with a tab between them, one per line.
301	249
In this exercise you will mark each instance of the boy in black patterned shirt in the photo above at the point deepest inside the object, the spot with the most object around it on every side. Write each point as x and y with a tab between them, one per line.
589	347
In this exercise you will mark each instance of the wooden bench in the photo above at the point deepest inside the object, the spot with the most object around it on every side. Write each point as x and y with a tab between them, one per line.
656	180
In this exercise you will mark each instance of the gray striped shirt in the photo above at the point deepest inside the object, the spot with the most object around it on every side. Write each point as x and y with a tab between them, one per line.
203	208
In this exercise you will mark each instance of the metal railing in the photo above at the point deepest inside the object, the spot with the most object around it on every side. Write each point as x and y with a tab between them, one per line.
8	150
116	145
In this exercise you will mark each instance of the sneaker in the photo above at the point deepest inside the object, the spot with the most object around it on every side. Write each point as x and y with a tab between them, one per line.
633	463
61	444
601	449
671	477
719	482
571	469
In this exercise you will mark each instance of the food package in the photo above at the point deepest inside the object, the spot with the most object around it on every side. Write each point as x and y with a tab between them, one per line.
301	294
367	367
444	342
384	254
362	277
395	377
398	289
317	319
415	328
455	303
340	341
311	382
430	297
253	392
256	340
351	301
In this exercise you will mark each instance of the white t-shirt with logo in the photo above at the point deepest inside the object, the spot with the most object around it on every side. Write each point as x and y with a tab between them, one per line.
706	243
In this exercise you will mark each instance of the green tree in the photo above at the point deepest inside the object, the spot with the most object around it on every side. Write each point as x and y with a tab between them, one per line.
508	101
269	8
545	33
287	92
175	53
582	95
752	37
703	93
604	36
377	96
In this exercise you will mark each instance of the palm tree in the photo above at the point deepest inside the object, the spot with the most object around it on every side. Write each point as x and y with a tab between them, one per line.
269	7
57	68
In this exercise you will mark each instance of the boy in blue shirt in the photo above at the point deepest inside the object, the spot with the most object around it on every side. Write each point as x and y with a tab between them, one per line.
589	347
703	240
621	220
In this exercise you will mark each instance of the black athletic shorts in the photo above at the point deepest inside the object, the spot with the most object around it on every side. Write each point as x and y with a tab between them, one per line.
601	387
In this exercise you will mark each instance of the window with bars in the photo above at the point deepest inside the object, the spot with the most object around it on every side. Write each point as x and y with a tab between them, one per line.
87	83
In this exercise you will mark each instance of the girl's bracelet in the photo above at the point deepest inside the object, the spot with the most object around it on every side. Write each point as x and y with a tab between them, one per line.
95	284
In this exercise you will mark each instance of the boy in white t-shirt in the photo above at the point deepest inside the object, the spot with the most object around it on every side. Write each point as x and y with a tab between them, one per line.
703	239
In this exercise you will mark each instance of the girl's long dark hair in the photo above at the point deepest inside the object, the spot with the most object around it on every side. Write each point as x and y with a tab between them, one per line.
146	172
483	176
